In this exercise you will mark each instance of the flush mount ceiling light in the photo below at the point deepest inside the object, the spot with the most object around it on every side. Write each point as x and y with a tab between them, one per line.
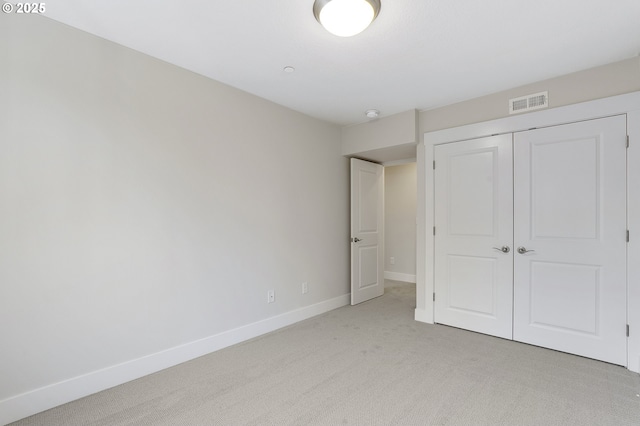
346	18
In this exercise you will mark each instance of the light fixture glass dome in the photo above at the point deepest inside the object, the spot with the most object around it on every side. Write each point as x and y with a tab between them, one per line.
346	18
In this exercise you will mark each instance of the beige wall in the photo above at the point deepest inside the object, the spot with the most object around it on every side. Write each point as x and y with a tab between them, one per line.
400	220
395	135
595	83
143	207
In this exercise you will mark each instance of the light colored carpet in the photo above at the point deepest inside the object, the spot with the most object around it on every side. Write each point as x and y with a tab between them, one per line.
370	364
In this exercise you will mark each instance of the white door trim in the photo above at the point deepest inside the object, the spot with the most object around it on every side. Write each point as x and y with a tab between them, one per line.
623	104
633	247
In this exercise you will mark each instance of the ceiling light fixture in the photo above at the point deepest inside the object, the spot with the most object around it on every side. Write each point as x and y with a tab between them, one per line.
346	18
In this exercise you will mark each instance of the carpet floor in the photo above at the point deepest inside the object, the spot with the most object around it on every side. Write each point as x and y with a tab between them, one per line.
369	364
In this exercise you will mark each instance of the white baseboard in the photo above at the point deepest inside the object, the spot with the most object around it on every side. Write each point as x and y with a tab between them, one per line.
421	315
38	400
634	366
399	276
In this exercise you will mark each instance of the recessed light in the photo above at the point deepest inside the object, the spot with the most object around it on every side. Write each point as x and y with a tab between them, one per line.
288	69
372	113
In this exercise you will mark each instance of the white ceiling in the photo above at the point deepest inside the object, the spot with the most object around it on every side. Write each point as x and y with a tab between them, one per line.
417	54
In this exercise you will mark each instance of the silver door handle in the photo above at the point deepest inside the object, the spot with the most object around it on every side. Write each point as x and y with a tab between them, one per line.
523	250
356	239
504	249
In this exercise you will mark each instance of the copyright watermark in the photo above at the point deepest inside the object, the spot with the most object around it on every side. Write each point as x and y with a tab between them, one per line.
24	7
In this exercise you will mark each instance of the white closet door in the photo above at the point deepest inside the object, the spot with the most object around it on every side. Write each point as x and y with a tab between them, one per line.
474	220
570	216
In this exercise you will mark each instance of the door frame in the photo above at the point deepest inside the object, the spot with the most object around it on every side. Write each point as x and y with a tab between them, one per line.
628	104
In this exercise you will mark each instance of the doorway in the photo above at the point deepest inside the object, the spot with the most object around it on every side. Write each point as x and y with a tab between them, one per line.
395	258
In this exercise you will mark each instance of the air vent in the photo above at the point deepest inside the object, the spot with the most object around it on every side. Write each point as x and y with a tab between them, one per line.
529	103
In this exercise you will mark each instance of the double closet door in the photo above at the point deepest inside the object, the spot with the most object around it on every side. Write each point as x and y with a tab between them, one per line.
530	237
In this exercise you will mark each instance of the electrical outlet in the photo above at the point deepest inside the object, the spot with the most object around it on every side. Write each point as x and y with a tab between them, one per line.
392	260
305	288
271	296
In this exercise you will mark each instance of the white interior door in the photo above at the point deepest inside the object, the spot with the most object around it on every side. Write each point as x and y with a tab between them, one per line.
367	233
474	234
570	216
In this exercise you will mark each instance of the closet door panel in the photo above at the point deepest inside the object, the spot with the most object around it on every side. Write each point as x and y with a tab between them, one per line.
570	226
473	218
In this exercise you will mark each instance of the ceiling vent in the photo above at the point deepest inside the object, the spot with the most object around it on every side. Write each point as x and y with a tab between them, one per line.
529	103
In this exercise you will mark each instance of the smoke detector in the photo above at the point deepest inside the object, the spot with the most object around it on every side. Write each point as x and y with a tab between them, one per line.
372	113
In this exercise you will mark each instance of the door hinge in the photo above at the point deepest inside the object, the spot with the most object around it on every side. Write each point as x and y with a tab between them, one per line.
627	330
434	299
627	141
627	235
434	164
434	230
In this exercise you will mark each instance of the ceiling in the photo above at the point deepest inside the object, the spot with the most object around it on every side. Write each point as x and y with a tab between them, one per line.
418	54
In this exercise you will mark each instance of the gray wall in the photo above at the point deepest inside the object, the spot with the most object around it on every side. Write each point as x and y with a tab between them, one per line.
594	83
144	207
394	137
400	221
376	136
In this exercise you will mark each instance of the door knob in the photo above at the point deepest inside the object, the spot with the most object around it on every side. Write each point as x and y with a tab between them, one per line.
356	239
523	250
504	249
